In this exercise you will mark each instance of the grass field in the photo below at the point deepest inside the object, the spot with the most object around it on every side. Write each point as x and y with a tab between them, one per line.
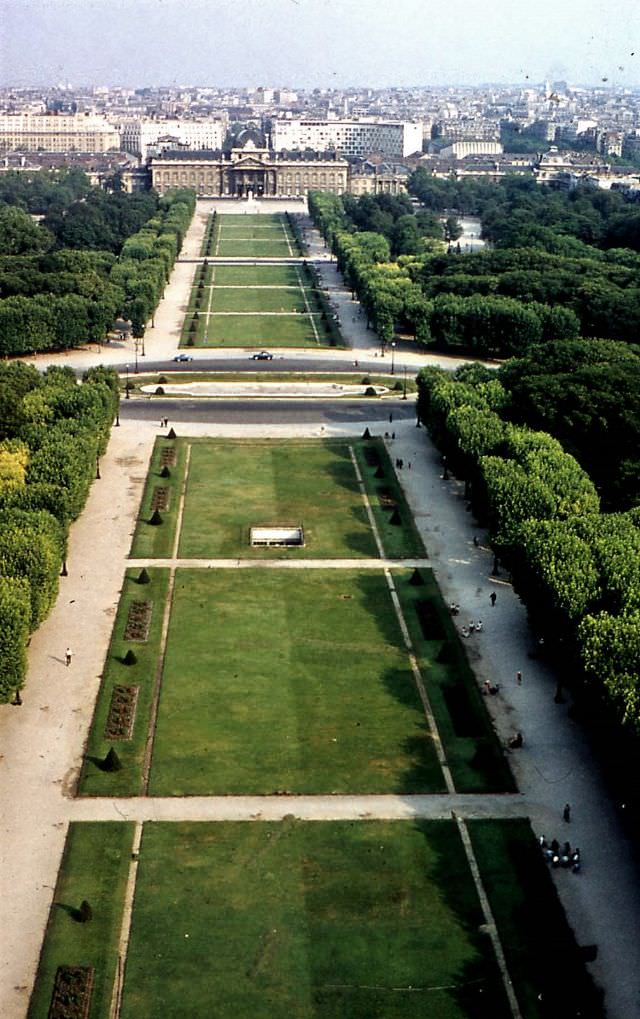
94	781
257	330
256	236
279	299
324	702
233	486
94	867
257	275
367	920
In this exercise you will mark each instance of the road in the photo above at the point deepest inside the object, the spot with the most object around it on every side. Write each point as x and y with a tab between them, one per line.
268	411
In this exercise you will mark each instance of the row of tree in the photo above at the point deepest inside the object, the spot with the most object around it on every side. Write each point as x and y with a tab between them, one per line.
576	569
491	303
52	434
59	299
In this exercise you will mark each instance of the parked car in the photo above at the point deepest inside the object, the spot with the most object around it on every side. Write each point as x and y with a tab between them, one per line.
183	357
262	355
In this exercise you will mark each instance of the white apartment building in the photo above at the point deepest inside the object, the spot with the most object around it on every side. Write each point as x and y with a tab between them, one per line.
138	135
57	132
392	139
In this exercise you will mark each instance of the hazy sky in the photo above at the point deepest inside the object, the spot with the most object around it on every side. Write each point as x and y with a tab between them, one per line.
318	43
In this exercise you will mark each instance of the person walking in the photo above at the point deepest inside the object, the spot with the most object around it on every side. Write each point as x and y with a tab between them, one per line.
519	678
566	813
67	657
492	598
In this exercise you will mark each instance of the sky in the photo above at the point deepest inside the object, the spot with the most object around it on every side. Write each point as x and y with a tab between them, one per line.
318	43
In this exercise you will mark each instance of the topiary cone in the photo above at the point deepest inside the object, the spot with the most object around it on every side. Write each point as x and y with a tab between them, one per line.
417	579
379	473
85	913
143	577
130	657
395	518
155	518
111	762
172	434
366	434
165	472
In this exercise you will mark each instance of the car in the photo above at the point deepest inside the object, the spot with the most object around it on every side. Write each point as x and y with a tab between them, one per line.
183	357
262	355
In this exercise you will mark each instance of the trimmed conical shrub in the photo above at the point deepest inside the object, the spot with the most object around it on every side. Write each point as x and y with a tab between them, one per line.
366	434
85	913
395	518
111	762
165	472
417	579
172	434
379	473
155	518
130	658
143	577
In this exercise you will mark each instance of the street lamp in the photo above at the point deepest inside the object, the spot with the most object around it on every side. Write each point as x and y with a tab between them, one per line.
393	351
126	385
135	354
404	383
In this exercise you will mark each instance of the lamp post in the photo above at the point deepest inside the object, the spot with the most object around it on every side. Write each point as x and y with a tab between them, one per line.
404	383
135	354
126	385
393	351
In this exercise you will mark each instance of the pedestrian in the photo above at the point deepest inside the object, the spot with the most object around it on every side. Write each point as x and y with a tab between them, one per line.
393	435
475	540
519	678
566	813
67	657
409	465
492	598
391	418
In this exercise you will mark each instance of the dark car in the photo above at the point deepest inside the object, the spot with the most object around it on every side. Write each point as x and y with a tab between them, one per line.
262	355
183	357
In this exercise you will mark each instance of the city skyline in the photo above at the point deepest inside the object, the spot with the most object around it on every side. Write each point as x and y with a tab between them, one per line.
316	43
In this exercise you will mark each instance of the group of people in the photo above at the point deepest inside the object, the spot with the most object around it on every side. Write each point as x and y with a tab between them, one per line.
560	856
472	627
515	742
490	688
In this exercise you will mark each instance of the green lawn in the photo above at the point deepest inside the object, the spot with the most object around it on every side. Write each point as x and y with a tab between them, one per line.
364	920
94	867
236	485
152	541
266	247
288	680
267	330
253	236
539	946
258	275
242	299
94	781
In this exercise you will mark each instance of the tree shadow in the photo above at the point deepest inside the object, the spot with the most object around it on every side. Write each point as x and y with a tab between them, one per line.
72	911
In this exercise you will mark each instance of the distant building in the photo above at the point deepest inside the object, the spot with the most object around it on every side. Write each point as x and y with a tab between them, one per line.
260	172
392	139
368	178
58	132
475	147
138	136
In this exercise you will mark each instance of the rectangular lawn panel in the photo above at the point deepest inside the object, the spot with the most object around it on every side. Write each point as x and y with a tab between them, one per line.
264	247
261	330
288	680
257	275
234	486
94	867
94	780
282	299
152	541
549	976
472	748
339	920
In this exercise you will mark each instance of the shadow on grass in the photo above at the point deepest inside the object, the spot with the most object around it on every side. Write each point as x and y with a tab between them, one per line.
76	914
545	963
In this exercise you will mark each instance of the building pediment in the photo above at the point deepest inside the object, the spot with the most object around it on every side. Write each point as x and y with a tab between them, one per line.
250	163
